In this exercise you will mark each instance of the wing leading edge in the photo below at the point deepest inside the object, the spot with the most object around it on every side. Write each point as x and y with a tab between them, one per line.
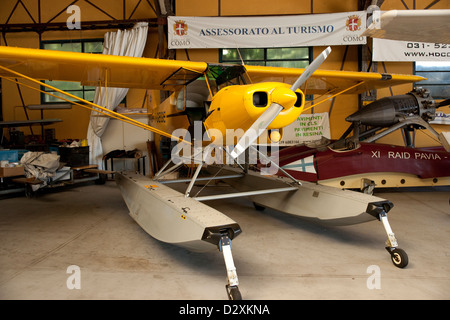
328	81
161	74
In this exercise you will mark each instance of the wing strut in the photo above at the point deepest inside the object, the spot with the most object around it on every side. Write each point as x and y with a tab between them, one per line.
92	105
334	95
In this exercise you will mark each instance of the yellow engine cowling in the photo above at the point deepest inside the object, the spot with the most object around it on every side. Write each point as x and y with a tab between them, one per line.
238	107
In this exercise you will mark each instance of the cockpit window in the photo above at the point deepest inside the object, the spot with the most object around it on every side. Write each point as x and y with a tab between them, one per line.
221	75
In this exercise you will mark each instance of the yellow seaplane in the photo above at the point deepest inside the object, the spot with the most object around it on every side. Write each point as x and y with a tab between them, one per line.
258	101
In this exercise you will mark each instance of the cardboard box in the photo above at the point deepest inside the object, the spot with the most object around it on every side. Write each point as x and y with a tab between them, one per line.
11	172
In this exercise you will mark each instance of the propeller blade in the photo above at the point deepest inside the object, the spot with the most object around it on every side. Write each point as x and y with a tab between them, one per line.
261	124
311	68
443	103
256	129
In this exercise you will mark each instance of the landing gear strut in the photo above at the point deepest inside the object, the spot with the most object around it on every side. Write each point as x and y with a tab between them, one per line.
233	282
398	256
379	210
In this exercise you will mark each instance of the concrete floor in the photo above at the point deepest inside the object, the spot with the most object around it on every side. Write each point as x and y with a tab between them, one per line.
277	256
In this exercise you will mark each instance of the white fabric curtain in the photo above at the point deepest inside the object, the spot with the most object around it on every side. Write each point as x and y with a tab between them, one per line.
129	43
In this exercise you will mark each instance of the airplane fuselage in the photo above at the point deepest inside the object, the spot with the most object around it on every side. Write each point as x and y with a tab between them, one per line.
386	165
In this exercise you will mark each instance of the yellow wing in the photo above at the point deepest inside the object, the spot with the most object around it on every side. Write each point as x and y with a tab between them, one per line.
161	74
326	81
98	69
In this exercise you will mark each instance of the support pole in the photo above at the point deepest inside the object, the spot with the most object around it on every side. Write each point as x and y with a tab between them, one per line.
232	278
277	166
392	241
197	171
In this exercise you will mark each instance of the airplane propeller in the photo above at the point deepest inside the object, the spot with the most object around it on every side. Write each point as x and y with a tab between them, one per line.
443	103
261	124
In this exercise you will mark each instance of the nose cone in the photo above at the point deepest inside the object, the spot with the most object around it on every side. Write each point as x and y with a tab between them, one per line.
386	111
285	97
355	117
378	113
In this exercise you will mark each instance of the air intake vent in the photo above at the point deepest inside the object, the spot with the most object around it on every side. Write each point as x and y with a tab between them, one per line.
260	99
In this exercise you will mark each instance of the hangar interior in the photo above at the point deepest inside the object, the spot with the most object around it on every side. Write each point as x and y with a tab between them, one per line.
277	256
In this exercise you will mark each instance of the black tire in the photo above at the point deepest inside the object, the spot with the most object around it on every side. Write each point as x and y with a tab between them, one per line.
399	258
234	293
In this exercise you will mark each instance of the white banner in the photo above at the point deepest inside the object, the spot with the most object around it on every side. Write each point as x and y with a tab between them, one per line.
393	50
308	127
264	32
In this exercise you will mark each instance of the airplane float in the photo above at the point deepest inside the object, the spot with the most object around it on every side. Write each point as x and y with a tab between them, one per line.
224	98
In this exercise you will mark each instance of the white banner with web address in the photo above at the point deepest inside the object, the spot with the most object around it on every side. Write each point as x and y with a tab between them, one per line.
393	50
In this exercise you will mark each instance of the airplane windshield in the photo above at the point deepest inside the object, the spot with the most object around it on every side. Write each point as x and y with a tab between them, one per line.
181	77
220	75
